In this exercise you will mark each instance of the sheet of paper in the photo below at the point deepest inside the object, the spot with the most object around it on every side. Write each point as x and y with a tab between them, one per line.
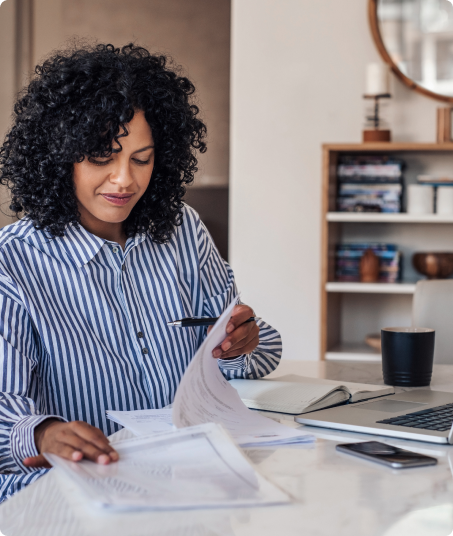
204	395
143	422
197	467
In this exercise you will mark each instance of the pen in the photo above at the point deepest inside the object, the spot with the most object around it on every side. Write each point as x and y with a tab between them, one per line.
195	322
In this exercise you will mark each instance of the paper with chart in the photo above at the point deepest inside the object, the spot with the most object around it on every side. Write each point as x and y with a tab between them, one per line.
197	467
204	395
143	422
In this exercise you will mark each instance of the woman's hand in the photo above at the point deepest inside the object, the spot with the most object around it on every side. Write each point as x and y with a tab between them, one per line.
72	441
242	338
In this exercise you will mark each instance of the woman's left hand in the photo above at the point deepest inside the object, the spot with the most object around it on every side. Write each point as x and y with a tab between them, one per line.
242	337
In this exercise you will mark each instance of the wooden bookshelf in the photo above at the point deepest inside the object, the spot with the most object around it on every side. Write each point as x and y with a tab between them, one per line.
410	232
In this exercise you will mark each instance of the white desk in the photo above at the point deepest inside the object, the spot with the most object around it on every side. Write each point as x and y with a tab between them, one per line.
334	495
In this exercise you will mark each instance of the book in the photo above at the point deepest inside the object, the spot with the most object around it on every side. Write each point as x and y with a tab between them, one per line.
296	395
370	184
347	262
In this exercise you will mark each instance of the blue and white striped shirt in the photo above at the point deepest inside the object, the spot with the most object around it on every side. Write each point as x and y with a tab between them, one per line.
84	328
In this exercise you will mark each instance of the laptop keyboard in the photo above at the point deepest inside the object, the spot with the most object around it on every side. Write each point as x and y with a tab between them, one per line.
439	418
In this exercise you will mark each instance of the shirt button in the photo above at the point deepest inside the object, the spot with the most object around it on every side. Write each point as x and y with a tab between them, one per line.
144	350
140	335
115	250
123	267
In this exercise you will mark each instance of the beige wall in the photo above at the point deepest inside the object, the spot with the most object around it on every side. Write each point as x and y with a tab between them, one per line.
196	33
7	71
297	76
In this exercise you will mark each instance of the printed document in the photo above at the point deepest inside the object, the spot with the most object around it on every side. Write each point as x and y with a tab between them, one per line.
197	467
204	395
143	422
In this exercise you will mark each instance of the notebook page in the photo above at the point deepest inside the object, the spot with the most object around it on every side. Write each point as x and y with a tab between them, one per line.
359	391
282	396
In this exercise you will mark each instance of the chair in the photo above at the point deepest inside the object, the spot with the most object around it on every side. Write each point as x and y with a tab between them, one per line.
432	307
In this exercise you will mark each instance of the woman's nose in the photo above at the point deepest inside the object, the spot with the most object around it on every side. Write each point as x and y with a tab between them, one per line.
122	176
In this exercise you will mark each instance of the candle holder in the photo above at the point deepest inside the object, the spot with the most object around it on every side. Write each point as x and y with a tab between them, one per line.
376	134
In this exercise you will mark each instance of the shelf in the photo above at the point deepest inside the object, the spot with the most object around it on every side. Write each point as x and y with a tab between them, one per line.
372	288
379	217
387	147
353	352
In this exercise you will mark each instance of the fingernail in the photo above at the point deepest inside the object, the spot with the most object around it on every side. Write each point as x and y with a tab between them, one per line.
230	328
114	456
217	352
76	456
103	459
226	346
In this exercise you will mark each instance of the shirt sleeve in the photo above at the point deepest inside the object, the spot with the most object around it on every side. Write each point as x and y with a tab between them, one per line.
18	362
219	288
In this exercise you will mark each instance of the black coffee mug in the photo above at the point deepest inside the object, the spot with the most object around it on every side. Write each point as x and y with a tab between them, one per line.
407	356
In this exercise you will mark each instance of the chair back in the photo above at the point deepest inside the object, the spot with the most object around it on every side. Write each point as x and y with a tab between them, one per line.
432	307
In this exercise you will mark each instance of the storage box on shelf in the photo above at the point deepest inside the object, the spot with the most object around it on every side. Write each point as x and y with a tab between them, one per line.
352	310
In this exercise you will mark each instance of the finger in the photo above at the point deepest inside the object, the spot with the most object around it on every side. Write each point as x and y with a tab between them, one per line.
237	338
94	436
37	461
239	315
240	334
87	449
246	349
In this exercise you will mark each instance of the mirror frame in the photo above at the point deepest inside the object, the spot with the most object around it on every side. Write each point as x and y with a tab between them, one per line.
374	26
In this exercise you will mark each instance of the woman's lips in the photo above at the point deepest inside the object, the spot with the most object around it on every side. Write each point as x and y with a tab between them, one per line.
117	200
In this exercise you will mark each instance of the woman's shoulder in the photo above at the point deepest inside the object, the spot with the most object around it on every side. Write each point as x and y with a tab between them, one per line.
18	230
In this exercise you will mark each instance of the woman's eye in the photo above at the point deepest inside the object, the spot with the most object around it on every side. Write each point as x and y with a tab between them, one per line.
99	162
142	162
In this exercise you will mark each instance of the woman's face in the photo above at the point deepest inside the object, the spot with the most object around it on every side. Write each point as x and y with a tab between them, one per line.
107	189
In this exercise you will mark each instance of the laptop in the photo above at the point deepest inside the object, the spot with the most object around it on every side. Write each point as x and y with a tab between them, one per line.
421	414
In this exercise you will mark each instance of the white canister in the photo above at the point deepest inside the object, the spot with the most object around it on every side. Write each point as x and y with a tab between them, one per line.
420	199
444	203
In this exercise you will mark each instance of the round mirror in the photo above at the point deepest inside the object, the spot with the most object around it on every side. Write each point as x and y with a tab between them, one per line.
415	37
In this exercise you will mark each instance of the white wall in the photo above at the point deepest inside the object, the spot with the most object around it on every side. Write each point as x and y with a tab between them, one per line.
297	77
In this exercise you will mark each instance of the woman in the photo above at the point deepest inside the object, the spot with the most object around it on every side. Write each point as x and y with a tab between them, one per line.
102	145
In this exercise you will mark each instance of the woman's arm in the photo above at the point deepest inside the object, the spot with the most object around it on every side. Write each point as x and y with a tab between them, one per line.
24	431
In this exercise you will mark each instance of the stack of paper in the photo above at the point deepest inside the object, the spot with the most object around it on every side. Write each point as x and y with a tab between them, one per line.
250	432
204	395
197	467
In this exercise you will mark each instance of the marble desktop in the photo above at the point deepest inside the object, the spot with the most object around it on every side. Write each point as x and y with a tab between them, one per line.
333	494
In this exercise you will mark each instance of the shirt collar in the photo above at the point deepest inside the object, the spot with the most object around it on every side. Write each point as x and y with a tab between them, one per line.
78	244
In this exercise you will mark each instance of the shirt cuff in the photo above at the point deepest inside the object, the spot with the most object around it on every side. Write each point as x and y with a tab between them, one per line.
237	363
23	439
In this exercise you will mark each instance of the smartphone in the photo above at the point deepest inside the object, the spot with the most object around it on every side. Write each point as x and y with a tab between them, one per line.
386	454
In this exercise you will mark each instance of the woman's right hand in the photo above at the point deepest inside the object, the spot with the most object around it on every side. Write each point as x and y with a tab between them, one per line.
71	440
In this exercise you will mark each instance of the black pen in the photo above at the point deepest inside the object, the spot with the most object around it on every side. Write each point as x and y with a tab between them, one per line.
196	322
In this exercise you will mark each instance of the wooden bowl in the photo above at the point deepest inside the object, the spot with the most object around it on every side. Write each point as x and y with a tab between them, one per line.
435	265
374	340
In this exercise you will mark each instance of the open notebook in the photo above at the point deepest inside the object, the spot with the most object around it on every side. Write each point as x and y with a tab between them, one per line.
295	394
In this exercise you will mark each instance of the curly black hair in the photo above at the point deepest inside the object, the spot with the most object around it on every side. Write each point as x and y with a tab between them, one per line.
77	105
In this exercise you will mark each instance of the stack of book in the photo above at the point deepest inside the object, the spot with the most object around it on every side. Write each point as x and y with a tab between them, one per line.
348	261
370	184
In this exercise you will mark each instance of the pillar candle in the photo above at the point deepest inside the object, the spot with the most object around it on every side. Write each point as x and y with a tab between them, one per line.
377	79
